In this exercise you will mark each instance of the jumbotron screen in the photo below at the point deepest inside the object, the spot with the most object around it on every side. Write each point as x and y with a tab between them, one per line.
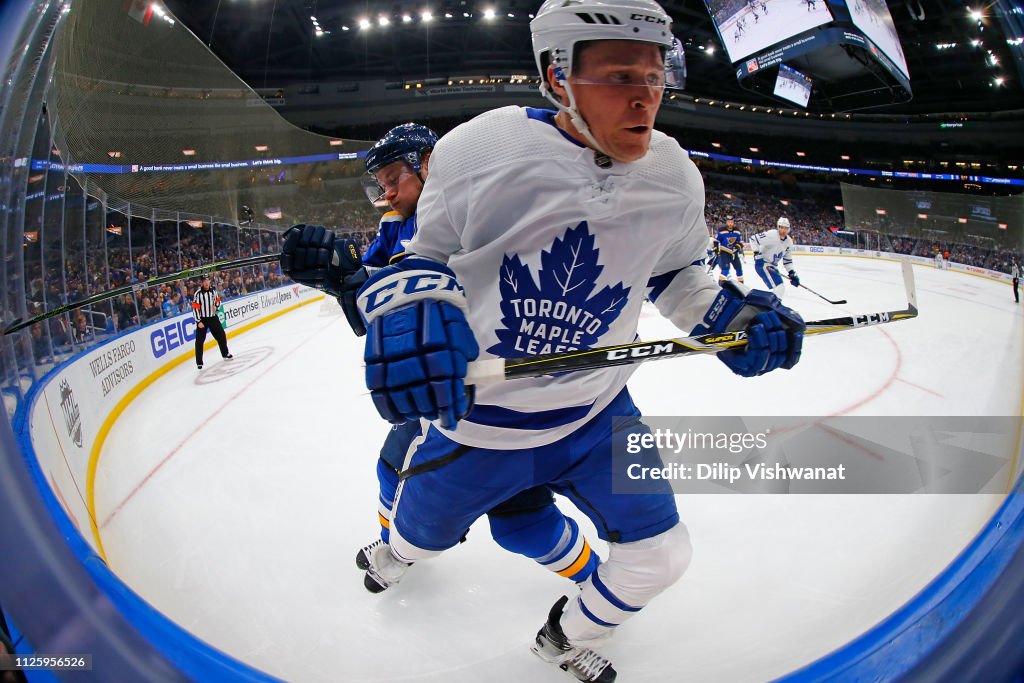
793	86
873	19
746	27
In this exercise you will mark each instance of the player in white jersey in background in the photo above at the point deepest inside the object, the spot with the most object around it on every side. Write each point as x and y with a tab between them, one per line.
712	253
771	248
543	231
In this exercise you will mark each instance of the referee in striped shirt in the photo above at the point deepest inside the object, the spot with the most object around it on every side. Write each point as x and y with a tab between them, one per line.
204	309
1015	277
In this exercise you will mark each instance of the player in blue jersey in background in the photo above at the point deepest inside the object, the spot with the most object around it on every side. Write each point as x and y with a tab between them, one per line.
528	523
730	250
396	167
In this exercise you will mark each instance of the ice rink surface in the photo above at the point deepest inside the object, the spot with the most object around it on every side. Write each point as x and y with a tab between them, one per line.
234	500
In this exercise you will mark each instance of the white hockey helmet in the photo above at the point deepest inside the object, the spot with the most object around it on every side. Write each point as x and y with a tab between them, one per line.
783	223
561	24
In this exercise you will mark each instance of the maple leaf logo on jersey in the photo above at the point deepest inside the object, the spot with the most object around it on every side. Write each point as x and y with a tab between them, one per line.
556	312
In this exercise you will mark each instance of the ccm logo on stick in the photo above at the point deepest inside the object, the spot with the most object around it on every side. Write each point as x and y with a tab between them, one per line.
872	319
640	351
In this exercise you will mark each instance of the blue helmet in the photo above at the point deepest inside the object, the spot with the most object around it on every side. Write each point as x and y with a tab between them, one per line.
407	142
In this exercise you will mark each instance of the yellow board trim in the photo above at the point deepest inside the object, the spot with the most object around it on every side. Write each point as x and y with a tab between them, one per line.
108	423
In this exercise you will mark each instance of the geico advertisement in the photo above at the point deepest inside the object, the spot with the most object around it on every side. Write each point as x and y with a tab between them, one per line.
175	333
171	334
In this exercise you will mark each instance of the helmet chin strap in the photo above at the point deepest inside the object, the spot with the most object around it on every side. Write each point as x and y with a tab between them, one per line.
574	114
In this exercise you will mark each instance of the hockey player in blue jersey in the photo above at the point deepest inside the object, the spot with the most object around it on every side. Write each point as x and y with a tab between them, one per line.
730	250
543	231
529	523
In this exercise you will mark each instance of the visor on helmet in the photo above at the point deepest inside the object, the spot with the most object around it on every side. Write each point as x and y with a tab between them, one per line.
675	66
673	78
374	192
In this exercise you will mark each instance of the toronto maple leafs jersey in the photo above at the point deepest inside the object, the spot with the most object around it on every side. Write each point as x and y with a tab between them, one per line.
729	241
772	248
557	248
393	235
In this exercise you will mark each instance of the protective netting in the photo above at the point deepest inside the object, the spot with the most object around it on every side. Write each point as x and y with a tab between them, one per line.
143	109
976	228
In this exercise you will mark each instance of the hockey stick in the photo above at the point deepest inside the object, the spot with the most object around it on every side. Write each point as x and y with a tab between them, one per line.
499	369
820	296
837	302
20	324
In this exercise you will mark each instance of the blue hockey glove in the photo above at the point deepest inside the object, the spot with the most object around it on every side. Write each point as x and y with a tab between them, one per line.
775	333
418	342
350	287
312	255
794	279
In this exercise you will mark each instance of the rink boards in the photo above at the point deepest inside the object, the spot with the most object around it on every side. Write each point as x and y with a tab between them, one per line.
109	381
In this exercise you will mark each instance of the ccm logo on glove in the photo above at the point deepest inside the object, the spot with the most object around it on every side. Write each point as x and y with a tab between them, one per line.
410	287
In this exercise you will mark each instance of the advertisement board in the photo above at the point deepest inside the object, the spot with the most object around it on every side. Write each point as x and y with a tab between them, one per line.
72	408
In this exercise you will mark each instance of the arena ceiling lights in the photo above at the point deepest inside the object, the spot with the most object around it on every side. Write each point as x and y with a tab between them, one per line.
426	16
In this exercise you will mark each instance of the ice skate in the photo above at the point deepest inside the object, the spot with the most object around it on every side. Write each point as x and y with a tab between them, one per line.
363	556
552	646
384	569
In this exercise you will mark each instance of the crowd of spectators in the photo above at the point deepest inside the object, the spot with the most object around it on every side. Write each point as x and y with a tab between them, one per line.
126	252
153	251
817	221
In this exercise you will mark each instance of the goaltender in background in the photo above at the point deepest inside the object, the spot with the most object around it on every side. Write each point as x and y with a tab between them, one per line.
724	472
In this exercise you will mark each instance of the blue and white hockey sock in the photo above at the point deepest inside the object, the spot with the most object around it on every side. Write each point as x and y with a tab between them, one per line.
388	479
549	538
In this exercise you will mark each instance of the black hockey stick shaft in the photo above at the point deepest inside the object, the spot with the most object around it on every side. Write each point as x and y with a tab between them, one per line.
139	286
821	296
499	369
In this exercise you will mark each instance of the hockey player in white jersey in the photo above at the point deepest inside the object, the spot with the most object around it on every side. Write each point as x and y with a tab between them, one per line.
712	252
771	248
544	231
